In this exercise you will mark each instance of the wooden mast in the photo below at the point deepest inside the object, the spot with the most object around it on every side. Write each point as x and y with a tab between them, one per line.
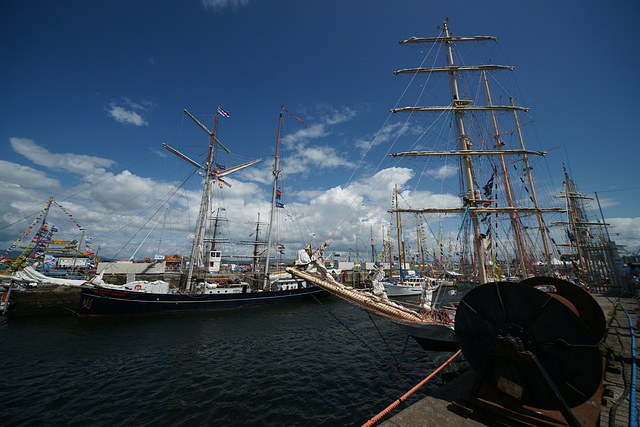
516	226
196	258
534	197
473	203
211	175
276	172
465	144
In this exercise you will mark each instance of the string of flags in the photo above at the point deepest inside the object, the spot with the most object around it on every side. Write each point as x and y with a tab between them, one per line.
69	215
28	230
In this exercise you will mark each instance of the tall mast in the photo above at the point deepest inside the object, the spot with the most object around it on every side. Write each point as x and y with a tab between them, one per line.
255	243
276	172
472	202
515	221
534	197
401	255
468	164
419	240
196	258
211	176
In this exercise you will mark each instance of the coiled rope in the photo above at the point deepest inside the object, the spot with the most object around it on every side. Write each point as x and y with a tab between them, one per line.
375	419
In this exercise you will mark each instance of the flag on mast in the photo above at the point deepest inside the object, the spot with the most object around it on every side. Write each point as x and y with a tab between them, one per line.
298	119
222	112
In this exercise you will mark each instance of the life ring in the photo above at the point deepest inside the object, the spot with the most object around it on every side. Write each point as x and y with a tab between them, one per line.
137	287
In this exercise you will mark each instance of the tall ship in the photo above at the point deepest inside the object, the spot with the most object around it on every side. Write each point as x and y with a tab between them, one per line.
501	228
103	299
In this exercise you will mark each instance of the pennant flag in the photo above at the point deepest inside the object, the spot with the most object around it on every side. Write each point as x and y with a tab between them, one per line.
278	194
222	112
300	120
279	205
288	218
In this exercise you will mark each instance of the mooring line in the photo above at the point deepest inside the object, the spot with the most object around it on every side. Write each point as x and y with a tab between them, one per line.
375	419
354	334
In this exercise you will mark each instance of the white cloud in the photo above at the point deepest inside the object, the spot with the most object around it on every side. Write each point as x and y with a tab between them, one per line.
77	163
130	113
127	117
626	232
442	172
308	156
218	5
333	116
13	173
385	135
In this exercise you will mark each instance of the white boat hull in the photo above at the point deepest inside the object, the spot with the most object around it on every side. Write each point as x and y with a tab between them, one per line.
399	290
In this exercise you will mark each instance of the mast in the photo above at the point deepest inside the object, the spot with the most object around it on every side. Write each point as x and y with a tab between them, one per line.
472	202
373	248
465	143
210	177
420	246
196	257
256	243
37	238
276	172
402	257
534	197
515	221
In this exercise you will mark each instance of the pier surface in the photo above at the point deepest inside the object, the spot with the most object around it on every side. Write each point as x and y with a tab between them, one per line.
438	408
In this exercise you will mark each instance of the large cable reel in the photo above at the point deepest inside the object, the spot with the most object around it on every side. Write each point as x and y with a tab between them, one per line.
532	347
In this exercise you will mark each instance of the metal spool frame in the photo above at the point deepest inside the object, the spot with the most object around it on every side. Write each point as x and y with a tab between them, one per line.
531	348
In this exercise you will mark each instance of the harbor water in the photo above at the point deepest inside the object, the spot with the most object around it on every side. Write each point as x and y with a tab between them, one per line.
321	363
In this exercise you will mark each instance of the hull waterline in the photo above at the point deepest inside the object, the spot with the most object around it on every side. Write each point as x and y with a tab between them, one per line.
108	302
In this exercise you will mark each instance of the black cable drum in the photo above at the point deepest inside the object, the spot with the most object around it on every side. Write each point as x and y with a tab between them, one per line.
503	328
588	308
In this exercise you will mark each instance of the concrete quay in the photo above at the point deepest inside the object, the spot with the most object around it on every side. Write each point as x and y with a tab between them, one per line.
439	409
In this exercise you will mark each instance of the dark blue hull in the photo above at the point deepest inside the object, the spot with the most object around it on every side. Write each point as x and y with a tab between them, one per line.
108	302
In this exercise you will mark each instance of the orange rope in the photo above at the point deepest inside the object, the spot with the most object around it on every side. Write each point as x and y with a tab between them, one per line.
375	419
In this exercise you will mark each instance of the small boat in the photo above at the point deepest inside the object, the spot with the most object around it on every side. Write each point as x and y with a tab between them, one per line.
407	286
158	298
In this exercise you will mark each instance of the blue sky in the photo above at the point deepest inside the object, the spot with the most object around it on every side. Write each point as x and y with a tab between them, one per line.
91	90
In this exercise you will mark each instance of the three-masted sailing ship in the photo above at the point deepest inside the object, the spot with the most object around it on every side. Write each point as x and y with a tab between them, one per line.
474	147
111	300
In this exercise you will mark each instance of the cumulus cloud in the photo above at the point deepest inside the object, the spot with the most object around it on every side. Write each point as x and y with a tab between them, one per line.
13	173
626	232
130	113
76	163
306	153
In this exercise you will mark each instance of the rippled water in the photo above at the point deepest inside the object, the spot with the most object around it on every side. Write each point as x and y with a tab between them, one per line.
286	365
